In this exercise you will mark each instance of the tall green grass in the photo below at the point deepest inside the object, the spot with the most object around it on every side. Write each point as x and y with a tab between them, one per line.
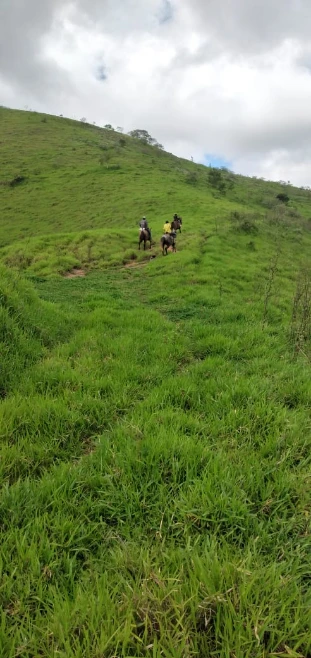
28	328
155	472
154	420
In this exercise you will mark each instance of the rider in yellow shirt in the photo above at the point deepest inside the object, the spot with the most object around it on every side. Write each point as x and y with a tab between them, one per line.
167	227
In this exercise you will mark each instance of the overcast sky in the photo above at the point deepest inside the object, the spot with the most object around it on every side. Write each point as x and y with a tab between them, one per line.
224	81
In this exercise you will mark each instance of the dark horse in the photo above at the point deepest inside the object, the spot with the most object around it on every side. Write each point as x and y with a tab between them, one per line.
168	240
144	236
176	224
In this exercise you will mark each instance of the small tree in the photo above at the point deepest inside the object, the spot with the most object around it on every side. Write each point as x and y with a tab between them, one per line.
141	134
83	120
108	126
144	136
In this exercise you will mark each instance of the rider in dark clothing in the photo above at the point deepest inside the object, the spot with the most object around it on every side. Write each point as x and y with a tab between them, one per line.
177	218
144	224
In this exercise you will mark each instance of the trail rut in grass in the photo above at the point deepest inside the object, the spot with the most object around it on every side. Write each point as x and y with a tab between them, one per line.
73	274
141	263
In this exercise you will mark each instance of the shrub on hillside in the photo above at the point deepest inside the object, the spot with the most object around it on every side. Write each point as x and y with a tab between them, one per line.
248	226
192	178
216	180
283	197
244	222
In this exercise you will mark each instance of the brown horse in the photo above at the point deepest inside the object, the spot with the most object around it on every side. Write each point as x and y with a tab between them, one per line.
176	224
144	236
168	240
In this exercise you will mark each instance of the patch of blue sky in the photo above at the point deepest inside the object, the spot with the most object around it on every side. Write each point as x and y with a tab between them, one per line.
166	12
213	160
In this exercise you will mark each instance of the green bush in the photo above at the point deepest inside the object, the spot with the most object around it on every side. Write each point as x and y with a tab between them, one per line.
244	222
192	178
283	197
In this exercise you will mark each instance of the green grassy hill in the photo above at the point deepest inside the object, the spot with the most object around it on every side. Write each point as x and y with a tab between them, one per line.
154	414
84	190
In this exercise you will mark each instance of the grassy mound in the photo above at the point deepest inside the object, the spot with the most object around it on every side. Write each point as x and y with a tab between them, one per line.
59	254
28	328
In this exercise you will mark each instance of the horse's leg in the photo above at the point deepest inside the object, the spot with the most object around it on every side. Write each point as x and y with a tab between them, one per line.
145	245
139	245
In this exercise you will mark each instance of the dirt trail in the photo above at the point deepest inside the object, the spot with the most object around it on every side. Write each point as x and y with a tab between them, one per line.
74	273
141	263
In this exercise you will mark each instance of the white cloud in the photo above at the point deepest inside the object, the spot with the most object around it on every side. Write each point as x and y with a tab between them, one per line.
232	79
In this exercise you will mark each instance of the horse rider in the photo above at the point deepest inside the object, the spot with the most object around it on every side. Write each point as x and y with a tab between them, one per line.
144	225
167	227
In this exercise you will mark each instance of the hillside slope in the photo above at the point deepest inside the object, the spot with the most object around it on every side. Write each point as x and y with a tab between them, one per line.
78	177
154	419
72	182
